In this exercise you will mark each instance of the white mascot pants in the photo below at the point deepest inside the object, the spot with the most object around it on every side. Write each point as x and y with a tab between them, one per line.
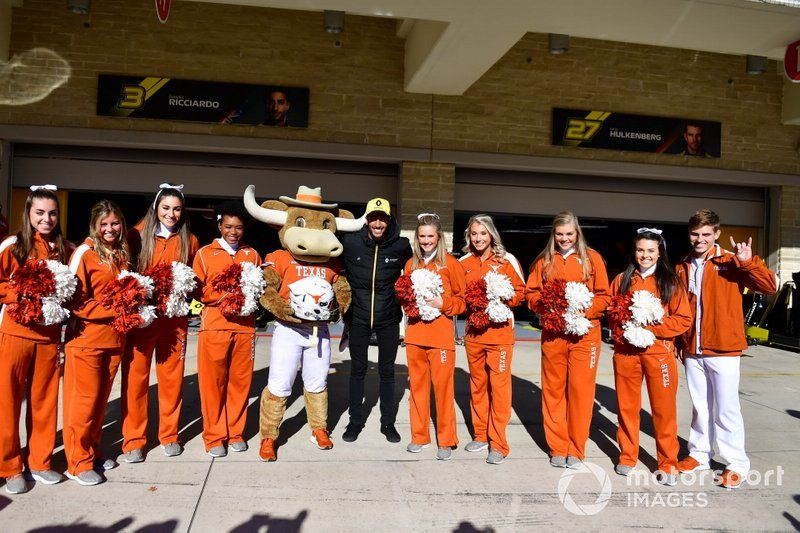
295	346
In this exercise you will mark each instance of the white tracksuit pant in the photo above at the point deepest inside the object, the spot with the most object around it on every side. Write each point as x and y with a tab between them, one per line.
714	388
293	346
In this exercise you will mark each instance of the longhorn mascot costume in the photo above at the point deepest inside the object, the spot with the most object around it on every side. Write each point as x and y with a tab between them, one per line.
305	290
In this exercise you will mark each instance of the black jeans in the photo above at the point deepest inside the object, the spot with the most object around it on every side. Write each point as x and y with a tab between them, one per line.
388	340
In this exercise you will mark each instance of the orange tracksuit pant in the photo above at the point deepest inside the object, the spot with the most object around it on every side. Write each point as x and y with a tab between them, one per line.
569	369
426	365
28	370
167	337
490	388
88	377
660	373
224	373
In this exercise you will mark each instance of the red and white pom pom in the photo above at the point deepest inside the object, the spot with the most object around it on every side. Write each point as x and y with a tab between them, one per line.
42	286
427	285
146	311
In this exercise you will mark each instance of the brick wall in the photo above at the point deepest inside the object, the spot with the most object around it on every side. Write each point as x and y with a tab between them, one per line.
427	188
357	85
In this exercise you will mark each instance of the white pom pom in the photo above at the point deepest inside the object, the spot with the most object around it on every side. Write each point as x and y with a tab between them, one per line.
52	311
147	312
579	297
576	324
498	312
646	308
66	282
253	285
638	336
427	285
182	284
498	286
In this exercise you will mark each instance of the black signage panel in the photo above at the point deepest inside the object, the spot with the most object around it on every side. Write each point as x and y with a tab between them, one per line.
637	133
202	101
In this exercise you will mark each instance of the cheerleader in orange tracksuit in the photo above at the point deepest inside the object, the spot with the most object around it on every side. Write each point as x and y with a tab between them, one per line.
649	270
162	236
490	348
430	345
569	362
94	348
29	354
226	344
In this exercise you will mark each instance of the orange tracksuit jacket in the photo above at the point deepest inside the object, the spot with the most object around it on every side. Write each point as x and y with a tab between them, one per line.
569	364
225	350
431	355
658	367
93	351
489	354
28	370
722	320
165	336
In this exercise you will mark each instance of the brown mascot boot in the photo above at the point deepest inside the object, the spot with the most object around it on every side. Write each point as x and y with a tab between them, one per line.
271	413
317	412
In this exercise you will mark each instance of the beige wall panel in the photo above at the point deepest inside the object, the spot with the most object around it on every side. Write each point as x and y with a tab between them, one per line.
126	176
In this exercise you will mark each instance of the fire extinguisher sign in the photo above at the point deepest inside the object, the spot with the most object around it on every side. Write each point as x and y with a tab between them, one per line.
791	62
162	10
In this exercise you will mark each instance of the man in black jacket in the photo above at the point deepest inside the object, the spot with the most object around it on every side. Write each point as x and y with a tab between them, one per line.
374	258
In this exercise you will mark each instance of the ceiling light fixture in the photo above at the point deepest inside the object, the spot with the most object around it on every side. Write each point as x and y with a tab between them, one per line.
333	21
756	64
558	43
81	7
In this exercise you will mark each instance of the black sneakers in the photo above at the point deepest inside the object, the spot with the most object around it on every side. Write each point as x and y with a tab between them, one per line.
391	434
351	432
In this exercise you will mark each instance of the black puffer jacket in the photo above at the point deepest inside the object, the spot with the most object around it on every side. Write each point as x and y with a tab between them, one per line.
372	279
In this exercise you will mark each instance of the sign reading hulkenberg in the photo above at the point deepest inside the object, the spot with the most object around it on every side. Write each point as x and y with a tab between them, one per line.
637	133
202	101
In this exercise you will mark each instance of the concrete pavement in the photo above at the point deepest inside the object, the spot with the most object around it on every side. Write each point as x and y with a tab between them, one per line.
374	485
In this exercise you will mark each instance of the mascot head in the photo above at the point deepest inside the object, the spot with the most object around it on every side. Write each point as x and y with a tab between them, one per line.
306	226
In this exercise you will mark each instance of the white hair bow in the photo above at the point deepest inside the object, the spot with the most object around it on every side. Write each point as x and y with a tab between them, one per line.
46	187
163	186
421	215
649	230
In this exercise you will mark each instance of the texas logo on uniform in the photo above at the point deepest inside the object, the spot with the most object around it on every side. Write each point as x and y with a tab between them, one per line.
162	10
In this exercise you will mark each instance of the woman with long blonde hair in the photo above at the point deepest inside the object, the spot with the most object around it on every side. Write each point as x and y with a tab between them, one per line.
430	340
162	236
569	360
94	347
489	338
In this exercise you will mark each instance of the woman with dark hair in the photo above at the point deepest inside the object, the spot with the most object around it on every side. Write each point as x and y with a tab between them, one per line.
161	237
649	308
29	352
567	269
94	346
432	293
226	343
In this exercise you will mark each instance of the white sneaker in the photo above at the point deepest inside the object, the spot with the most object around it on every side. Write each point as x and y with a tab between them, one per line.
416	448
87	478
48	477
